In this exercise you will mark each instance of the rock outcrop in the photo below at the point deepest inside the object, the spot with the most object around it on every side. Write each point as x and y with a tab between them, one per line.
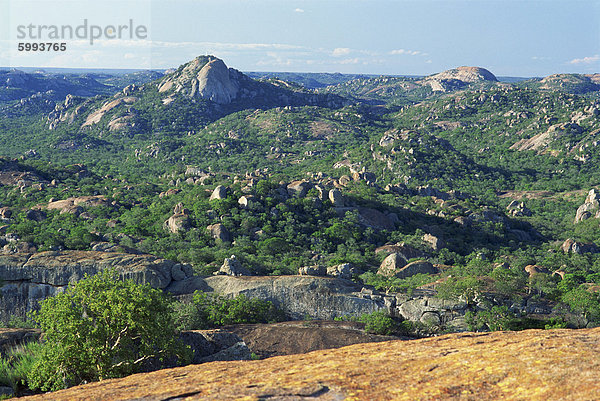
537	365
204	77
457	78
219	231
220	192
180	220
233	267
391	264
215	345
29	278
578	247
416	267
590	207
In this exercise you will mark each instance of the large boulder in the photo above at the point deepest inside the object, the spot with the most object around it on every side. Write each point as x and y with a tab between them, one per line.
533	270
571	246
391	264
436	243
177	223
345	271
35	215
336	197
407	251
416	267
314	270
5	213
220	192
590	208
215	345
233	267
219	231
298	189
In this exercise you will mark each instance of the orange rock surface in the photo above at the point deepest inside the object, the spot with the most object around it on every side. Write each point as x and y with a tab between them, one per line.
527	365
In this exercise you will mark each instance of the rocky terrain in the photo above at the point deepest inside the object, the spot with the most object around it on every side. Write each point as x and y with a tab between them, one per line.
532	365
449	203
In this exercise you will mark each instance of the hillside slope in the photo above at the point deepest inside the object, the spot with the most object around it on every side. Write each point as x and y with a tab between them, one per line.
532	365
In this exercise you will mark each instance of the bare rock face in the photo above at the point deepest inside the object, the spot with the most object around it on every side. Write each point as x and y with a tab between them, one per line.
315	270
29	278
336	198
220	232
345	271
537	365
178	223
391	264
298	188
578	247
214	83
457	78
207	78
590	208
233	267
220	192
416	267
436	243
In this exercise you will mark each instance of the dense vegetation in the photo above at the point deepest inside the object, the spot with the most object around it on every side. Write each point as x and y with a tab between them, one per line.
409	162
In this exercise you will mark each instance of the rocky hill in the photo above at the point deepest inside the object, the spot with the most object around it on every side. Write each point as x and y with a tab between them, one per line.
458	78
204	88
571	83
532	365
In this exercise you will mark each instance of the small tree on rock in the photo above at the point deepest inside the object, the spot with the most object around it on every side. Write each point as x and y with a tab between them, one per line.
103	327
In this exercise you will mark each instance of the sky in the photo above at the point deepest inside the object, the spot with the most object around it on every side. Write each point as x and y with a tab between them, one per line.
509	37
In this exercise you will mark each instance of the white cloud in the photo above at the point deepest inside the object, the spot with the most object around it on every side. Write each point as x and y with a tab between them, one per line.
340	51
586	60
298	10
399	52
350	61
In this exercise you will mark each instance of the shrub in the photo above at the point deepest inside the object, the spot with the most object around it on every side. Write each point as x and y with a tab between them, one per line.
497	318
100	328
209	311
380	323
15	366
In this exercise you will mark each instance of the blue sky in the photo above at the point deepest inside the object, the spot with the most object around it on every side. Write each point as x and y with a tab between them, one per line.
510	38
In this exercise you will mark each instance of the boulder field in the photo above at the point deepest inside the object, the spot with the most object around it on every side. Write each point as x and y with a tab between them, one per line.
527	365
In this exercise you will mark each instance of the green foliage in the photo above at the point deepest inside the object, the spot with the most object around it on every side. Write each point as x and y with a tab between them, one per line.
101	328
494	319
380	323
583	301
466	288
393	284
16	365
210	310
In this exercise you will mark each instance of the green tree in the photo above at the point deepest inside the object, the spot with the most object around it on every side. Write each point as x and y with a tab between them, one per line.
103	327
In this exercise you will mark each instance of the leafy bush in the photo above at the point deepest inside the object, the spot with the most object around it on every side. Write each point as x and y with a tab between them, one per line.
380	323
209	311
393	284
100	328
460	287
15	366
497	318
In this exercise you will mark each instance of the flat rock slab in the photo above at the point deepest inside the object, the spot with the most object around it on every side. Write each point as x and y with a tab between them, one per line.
300	337
527	365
